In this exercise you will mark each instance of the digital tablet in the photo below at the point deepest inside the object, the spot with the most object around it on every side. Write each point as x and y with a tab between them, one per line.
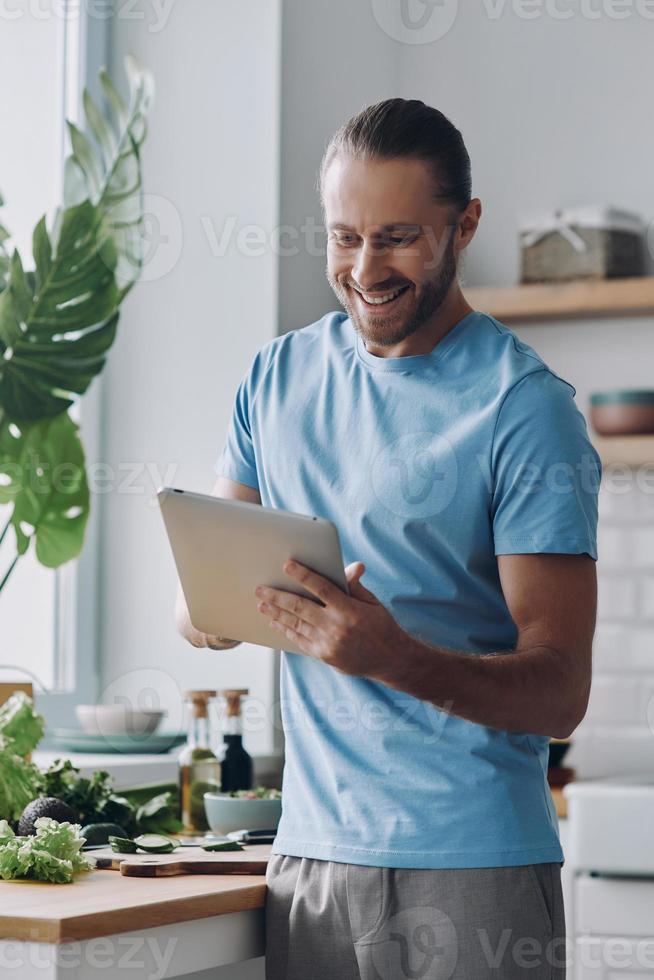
223	549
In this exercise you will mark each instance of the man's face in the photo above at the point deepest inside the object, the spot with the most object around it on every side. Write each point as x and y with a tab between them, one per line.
390	255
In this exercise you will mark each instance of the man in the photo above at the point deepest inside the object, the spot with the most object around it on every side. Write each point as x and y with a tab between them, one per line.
418	836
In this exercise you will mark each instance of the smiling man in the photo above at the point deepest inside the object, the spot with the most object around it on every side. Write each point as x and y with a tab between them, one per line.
418	836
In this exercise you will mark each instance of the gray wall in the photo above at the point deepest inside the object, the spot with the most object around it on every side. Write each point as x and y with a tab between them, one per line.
335	60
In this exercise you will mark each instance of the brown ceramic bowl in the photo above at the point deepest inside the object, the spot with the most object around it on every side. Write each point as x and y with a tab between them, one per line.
622	413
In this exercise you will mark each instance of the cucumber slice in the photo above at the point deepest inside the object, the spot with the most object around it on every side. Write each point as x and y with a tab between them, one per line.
155	843
122	845
223	845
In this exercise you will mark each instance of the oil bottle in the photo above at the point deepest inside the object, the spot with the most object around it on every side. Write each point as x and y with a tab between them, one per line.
199	768
236	763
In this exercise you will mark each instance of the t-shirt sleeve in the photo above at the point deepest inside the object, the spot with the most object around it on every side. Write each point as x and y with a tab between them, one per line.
546	472
237	459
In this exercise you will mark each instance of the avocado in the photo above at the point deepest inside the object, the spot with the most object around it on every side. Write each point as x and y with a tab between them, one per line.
44	806
99	833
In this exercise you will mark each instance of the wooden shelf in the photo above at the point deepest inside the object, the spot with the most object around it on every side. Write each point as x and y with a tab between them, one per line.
579	299
630	450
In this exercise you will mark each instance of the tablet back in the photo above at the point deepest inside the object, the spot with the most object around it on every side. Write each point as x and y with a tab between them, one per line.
223	549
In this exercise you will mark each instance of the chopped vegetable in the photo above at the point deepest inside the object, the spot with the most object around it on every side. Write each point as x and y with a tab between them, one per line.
223	845
260	793
101	833
155	843
122	845
53	853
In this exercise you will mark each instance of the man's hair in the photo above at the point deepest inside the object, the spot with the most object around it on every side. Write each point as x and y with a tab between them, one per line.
409	129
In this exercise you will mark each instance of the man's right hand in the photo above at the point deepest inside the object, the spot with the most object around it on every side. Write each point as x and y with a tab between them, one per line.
197	639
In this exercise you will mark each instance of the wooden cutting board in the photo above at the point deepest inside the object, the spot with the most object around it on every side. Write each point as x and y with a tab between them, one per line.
186	860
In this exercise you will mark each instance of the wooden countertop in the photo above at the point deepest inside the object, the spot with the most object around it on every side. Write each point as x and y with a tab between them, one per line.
102	903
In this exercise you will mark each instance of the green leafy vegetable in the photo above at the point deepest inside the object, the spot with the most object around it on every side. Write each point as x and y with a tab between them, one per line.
20	724
92	798
159	815
20	730
52	854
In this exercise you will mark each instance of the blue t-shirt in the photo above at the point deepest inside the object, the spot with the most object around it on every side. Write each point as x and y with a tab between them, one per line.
429	466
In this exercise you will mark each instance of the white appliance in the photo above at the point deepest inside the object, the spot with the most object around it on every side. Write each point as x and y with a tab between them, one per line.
612	825
610	853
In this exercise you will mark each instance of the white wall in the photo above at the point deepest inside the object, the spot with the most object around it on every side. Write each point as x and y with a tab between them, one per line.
190	328
31	121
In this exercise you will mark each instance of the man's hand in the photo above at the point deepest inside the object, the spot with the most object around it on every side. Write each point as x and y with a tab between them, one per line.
540	686
197	639
354	633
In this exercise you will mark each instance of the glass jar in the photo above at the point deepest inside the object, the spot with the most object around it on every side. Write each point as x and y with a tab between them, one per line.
236	762
199	767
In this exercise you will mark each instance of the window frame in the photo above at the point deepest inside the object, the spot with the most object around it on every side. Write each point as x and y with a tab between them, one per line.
83	44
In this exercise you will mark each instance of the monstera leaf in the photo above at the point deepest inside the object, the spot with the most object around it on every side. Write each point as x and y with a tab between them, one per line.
57	323
4	254
42	476
59	319
104	166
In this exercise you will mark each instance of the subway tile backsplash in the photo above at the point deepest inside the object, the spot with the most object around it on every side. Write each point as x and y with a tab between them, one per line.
617	735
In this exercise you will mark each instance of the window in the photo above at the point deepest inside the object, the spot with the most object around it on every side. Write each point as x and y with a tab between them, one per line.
45	617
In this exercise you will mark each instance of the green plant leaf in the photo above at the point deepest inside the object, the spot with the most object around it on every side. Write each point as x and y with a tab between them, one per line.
42	476
54	334
105	165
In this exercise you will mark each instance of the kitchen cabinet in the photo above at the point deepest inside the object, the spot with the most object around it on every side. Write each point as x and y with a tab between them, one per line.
610	912
614	923
107	925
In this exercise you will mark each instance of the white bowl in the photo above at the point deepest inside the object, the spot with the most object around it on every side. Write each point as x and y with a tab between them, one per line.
117	719
228	813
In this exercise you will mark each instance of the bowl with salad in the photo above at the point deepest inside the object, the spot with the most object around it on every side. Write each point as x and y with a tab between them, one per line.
243	809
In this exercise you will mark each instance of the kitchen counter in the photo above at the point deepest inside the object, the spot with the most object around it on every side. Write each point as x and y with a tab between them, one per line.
128	770
204	921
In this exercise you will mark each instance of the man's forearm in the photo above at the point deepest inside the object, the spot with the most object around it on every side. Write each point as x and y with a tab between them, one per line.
527	690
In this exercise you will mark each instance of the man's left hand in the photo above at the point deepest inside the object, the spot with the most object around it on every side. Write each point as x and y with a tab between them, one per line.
354	633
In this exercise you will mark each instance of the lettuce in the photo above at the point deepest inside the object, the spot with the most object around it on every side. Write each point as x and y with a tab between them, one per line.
52	854
19	781
20	724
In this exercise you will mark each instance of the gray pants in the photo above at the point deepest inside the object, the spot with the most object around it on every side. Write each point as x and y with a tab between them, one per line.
329	921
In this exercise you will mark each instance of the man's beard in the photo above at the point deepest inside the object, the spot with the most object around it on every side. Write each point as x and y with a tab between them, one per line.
384	332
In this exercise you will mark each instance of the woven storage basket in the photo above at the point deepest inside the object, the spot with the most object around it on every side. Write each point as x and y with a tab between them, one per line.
582	243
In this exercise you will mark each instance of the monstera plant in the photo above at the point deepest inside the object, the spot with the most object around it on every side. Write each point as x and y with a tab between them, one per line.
58	319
